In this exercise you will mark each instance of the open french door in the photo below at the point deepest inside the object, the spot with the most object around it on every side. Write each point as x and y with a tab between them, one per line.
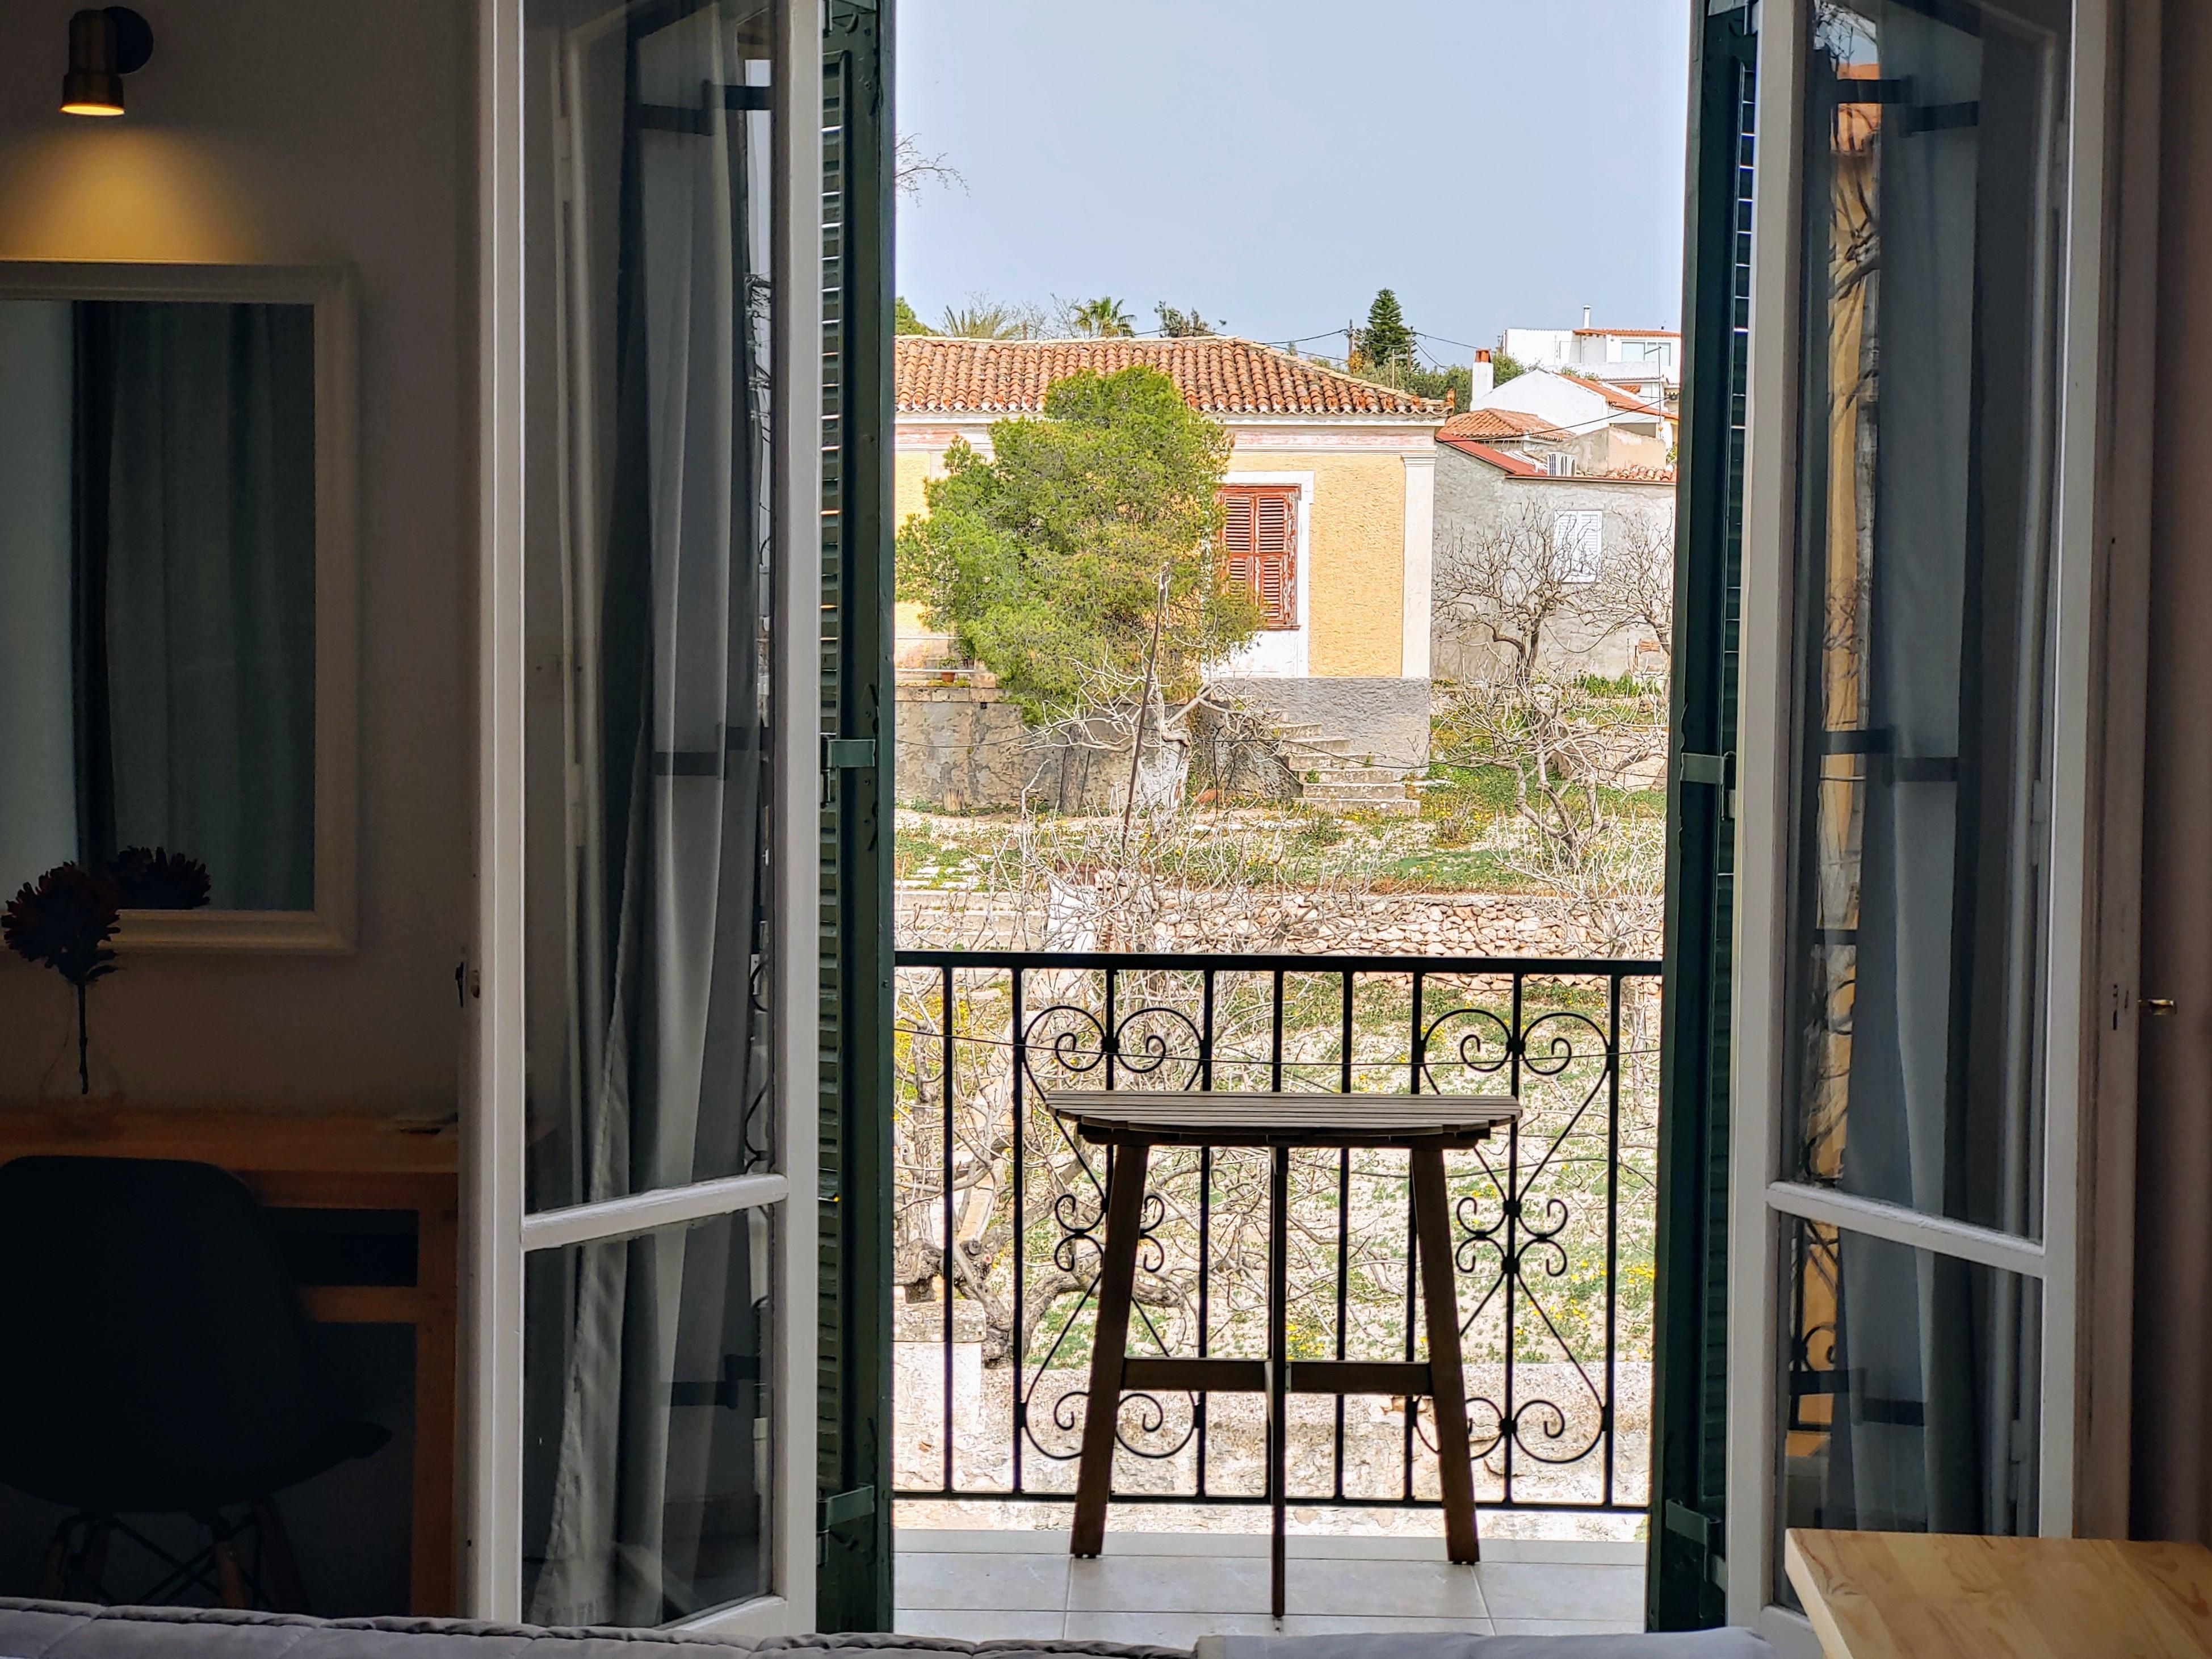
640	1406
1886	834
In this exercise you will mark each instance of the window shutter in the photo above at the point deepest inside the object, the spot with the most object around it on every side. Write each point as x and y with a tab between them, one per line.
1686	1575
851	1404
1260	550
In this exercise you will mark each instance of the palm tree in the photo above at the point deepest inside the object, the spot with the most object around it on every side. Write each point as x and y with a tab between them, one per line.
988	320
1103	319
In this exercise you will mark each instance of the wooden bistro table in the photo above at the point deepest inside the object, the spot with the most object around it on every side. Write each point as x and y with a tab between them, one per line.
1131	1123
1936	1595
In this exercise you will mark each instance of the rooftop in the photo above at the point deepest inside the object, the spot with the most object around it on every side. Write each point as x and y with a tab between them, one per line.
1488	424
1218	373
1613	395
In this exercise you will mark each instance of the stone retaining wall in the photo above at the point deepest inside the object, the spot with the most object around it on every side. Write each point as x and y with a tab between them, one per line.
1382	924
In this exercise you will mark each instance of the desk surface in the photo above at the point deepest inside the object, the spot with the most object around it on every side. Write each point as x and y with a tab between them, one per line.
1922	1596
1233	1118
325	1143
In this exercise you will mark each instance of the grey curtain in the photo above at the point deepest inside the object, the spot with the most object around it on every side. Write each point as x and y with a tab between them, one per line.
195	599
37	738
668	1037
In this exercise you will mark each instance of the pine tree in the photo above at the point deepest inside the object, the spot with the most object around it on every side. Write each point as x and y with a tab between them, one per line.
1386	339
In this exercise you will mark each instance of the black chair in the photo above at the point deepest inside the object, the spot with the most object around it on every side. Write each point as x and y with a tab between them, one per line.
156	1362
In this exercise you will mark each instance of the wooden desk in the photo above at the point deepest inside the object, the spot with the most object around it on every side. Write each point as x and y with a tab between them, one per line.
1922	1596
313	1161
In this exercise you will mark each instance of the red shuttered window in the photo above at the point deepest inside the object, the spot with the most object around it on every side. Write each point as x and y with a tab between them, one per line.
1260	548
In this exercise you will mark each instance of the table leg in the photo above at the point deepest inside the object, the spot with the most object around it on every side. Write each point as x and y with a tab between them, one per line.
1279	1369
1440	1297
1110	1345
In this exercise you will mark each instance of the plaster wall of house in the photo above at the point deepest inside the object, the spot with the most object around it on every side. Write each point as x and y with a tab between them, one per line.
919	646
267	131
1474	499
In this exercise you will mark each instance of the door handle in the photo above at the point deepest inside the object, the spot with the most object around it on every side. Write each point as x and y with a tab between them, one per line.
2156	1007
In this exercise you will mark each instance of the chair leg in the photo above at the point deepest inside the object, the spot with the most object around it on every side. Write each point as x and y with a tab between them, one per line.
1110	1346
92	1560
230	1580
1447	1377
49	1569
291	1590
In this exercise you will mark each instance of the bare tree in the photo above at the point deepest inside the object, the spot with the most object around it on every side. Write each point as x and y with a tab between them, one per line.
911	169
1574	757
1635	588
1509	582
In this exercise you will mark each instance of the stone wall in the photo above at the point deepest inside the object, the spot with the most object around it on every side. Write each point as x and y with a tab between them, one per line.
1379	924
1386	718
962	746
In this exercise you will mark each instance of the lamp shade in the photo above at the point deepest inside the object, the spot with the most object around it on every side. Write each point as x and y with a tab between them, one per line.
104	47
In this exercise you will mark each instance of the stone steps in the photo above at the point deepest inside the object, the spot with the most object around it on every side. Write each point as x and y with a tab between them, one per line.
1333	777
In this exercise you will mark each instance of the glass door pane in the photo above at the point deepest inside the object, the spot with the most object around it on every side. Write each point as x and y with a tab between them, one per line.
1932	154
670	791
646	1460
1909	1390
652	569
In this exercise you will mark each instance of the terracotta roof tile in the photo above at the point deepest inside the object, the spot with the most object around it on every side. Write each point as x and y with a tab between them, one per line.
1615	396
1519	465
1218	375
1493	423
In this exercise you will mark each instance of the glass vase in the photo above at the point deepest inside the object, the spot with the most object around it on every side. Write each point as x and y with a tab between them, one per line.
79	1072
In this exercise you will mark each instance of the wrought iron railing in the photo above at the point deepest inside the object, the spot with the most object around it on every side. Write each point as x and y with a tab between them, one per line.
999	1214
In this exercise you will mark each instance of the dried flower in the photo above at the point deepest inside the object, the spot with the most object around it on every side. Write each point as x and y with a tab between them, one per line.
154	878
65	919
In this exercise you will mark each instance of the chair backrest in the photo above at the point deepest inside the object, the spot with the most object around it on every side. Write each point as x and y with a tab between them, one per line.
155	1353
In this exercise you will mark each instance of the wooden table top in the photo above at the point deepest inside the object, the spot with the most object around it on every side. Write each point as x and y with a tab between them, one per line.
350	1142
1923	1595
1263	1118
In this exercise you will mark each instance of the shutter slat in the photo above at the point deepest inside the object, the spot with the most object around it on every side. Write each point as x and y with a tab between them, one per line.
1259	547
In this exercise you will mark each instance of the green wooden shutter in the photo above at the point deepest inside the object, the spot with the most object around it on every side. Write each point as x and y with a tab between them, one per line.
853	1376
1688	1574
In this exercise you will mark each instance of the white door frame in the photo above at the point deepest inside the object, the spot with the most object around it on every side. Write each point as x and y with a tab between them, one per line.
496	1233
1765	790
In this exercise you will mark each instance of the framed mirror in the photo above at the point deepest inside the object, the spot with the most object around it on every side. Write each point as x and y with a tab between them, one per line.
178	594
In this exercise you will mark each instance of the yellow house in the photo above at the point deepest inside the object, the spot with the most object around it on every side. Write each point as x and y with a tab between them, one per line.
1329	498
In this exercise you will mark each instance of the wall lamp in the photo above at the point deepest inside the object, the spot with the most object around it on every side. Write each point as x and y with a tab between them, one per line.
104	47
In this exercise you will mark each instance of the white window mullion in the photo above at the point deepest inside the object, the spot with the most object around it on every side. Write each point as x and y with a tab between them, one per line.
1962	1239
1764	796
2070	978
492	1110
642	1212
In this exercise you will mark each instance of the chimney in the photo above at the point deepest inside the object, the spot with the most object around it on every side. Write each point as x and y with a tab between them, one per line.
1484	378
1586	311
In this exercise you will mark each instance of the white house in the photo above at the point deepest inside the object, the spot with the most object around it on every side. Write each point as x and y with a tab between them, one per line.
1607	427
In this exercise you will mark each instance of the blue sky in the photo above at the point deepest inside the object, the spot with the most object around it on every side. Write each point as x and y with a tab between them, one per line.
1273	162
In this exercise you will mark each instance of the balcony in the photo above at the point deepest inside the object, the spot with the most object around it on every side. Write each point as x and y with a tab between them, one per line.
998	1213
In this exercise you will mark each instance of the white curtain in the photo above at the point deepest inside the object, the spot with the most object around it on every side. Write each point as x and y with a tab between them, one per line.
1931	1348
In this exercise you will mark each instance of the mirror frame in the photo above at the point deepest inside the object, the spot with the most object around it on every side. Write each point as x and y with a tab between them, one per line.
329	928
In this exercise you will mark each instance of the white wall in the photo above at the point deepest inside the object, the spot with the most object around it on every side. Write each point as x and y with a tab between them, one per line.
269	129
1551	397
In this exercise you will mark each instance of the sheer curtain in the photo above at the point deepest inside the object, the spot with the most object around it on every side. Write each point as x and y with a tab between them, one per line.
1924	558
666	1043
195	591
